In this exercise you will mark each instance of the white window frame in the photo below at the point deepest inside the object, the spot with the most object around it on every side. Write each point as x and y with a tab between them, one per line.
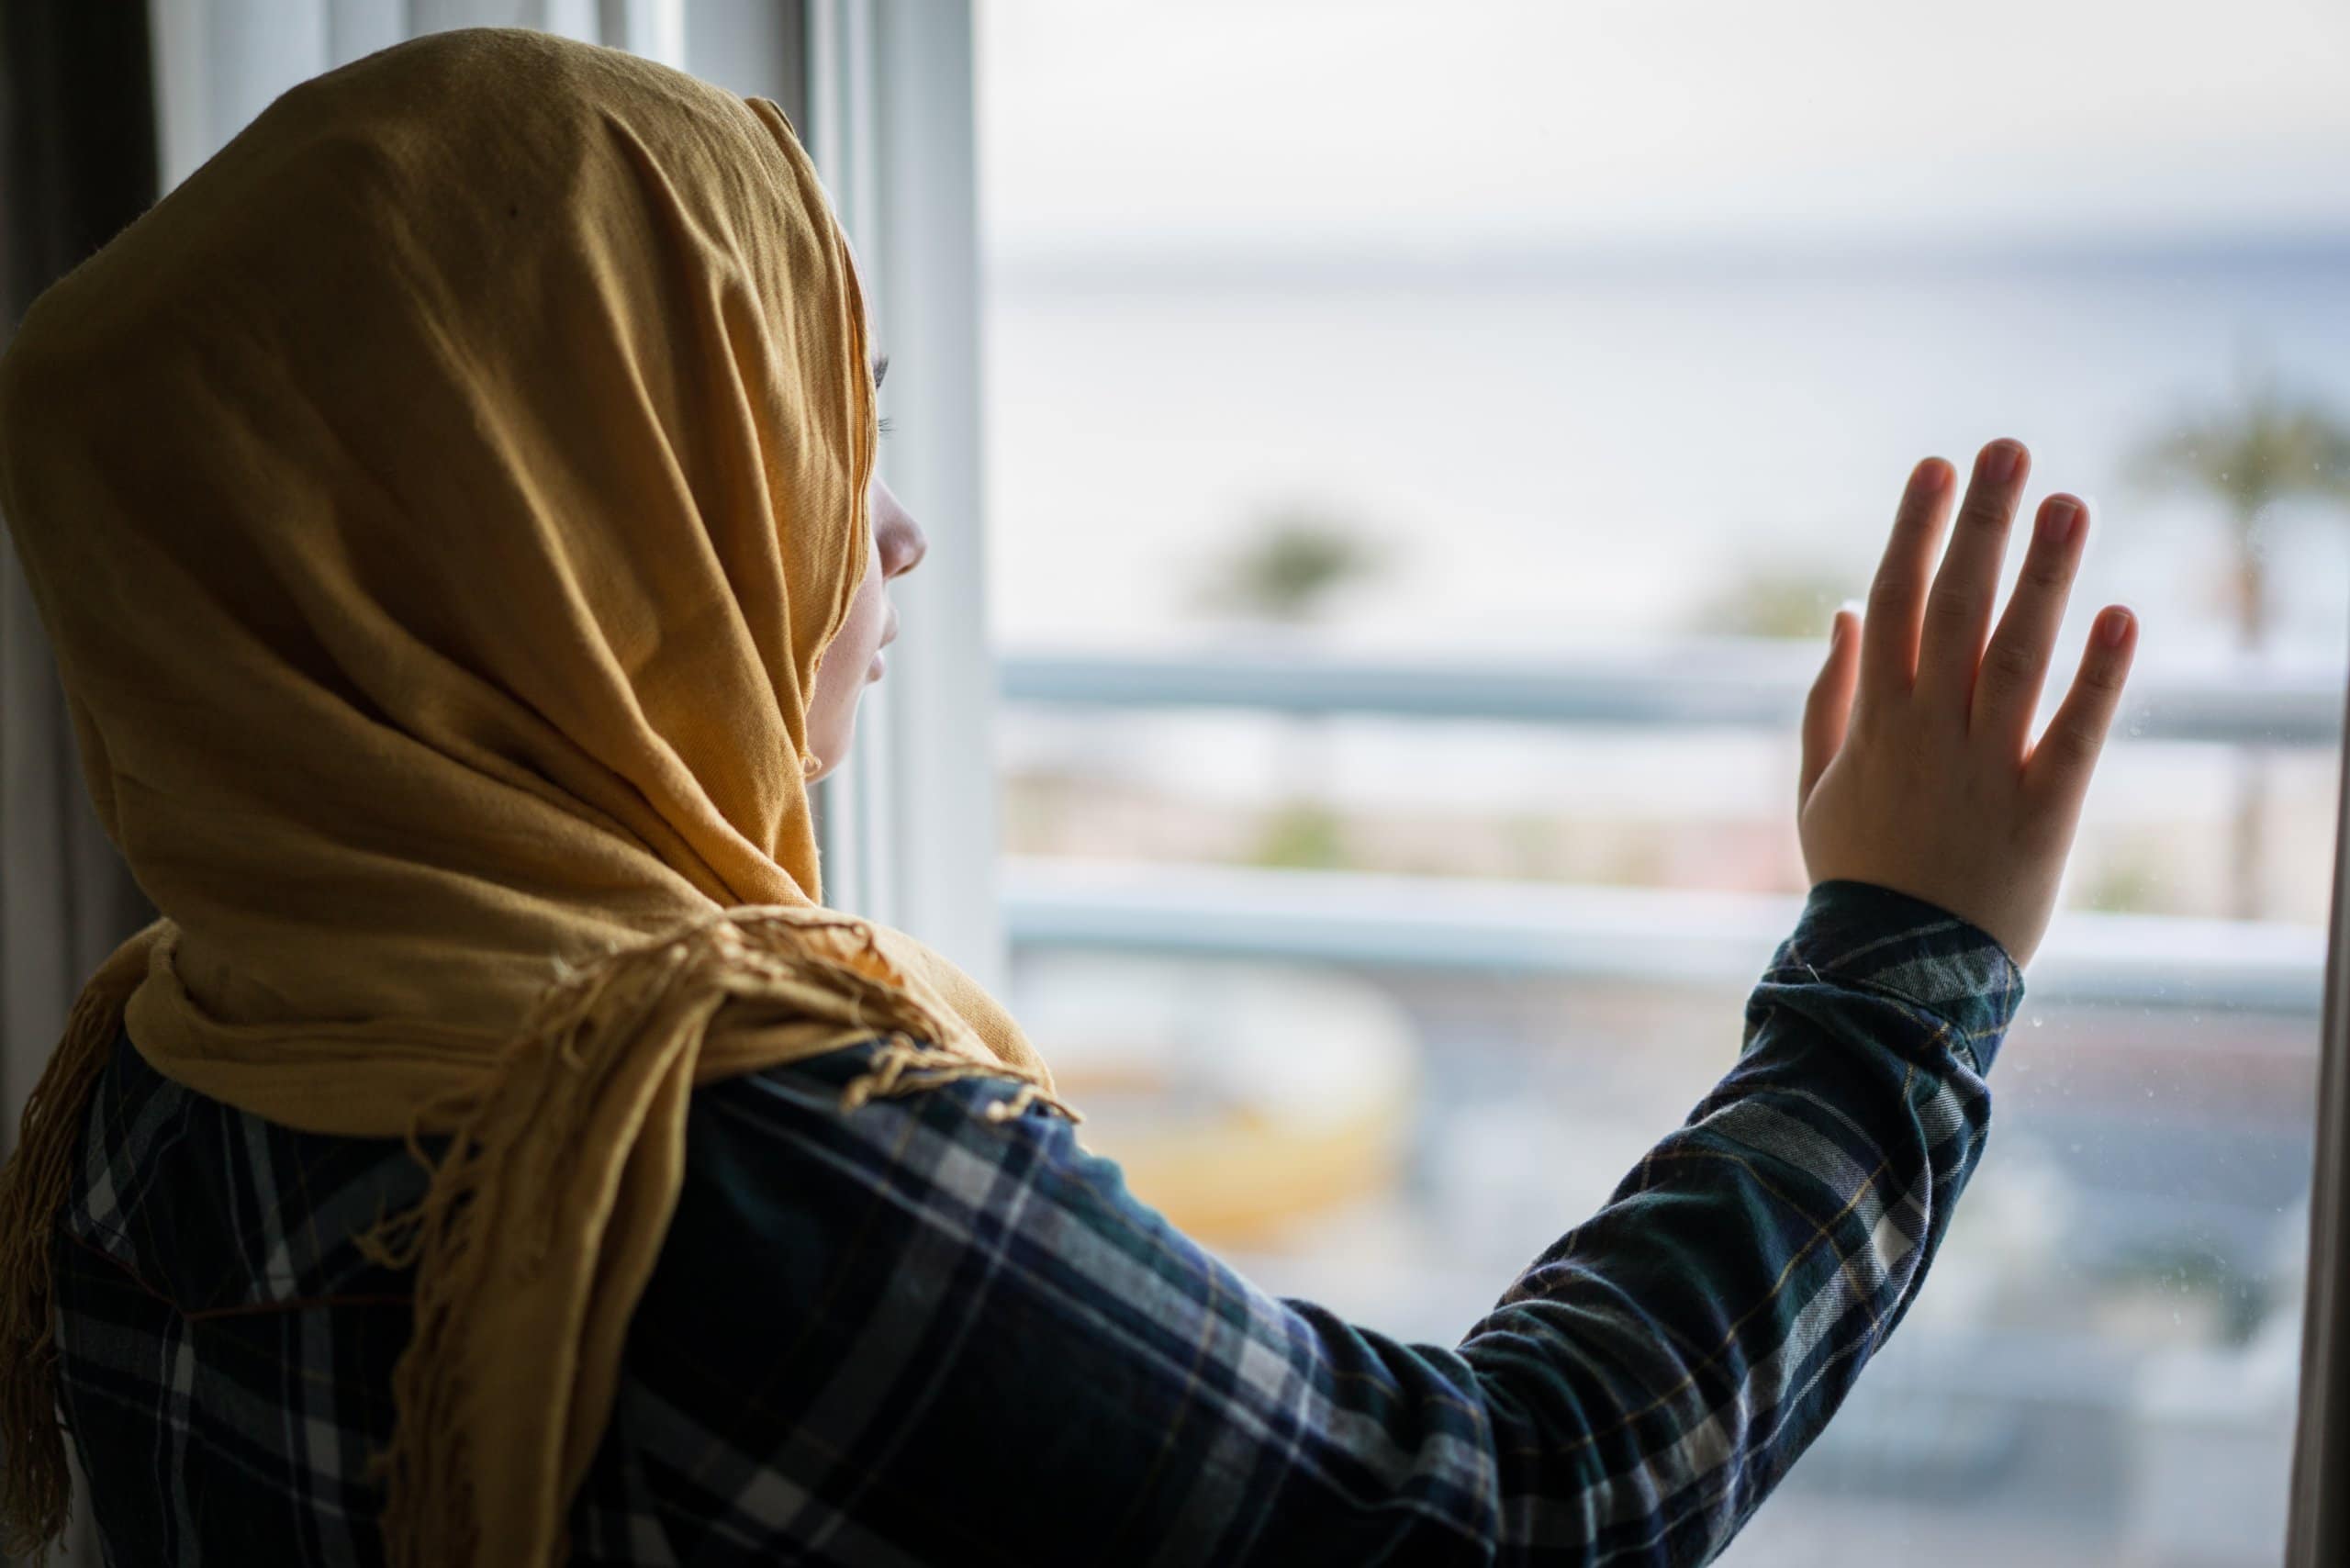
909	825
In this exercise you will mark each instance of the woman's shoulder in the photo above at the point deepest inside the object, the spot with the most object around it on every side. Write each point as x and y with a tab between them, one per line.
804	1192
212	1208
788	1149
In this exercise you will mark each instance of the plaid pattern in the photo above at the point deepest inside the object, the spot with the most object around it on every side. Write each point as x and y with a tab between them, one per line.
908	1335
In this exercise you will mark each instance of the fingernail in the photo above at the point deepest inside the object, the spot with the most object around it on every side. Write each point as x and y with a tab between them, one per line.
1999	461
2114	628
1835	629
2056	523
1931	476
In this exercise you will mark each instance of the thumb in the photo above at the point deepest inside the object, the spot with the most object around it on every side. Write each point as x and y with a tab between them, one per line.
1829	706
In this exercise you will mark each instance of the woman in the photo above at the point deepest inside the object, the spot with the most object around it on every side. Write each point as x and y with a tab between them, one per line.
453	511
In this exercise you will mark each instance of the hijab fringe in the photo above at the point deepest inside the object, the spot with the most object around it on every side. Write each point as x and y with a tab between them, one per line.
661	995
36	1488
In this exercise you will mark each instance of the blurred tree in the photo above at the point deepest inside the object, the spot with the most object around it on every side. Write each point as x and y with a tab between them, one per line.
1289	565
2250	452
2126	879
1284	570
1302	835
1764	600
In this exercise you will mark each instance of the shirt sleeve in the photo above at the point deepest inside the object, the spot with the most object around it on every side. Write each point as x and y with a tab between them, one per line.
911	1334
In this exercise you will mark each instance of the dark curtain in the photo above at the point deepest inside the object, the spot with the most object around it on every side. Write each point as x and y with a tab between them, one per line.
77	162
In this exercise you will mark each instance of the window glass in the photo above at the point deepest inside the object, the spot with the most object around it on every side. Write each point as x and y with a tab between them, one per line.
1425	444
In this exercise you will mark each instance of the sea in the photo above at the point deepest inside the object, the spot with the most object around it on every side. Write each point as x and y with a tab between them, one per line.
1554	453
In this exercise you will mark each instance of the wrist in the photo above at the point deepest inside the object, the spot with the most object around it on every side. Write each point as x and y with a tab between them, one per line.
1918	950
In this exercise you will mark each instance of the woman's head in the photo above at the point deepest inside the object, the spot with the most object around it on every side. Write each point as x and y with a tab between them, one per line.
445	505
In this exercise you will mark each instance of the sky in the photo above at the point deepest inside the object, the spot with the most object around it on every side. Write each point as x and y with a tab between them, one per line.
1401	126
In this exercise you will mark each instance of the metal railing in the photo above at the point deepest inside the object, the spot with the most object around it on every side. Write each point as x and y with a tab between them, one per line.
1667	936
1727	683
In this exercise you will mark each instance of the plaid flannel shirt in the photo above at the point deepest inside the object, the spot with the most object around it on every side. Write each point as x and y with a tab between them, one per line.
908	1335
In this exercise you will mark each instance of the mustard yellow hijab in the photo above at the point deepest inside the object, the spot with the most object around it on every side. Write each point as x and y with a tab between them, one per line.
439	506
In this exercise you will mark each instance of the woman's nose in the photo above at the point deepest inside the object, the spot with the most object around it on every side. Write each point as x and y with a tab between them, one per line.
913	545
901	541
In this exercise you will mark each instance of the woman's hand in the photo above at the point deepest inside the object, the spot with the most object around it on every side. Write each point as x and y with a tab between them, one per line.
1919	773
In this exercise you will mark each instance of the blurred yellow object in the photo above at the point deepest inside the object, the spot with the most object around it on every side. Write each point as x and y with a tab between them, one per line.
1242	1099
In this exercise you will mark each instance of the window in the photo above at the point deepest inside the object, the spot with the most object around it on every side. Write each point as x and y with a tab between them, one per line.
1420	446
1424	445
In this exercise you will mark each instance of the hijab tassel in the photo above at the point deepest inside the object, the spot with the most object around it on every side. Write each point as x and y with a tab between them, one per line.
36	1488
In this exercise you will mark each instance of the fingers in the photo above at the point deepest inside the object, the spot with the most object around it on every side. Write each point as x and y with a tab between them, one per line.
1897	597
1958	610
2061	763
2007	688
1826	711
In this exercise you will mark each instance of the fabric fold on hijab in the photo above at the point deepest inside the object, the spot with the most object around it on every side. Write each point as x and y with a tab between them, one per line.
440	506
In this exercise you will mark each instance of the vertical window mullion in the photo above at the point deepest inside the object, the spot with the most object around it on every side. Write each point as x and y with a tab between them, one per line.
909	825
2317	1527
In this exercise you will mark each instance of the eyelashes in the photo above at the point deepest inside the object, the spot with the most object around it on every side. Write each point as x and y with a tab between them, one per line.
887	425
